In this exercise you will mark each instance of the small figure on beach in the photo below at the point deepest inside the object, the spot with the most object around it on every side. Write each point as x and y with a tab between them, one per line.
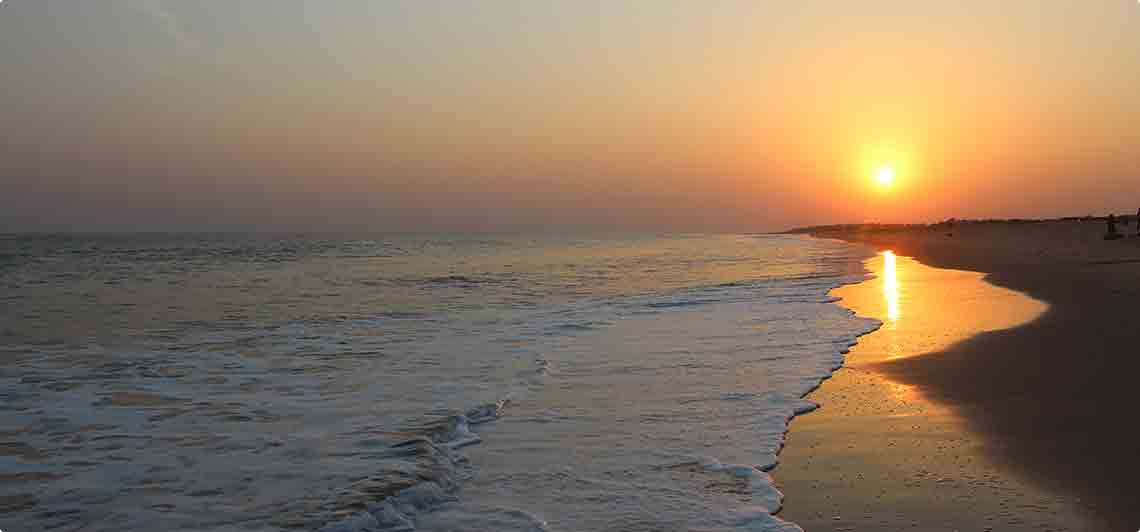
1137	222
1111	234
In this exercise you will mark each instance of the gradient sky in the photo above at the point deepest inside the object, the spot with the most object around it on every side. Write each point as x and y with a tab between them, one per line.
558	116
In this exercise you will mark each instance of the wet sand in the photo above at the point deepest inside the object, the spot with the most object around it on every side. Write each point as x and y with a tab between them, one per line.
1035	423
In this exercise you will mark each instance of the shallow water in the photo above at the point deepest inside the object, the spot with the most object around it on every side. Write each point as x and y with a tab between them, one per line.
294	382
925	310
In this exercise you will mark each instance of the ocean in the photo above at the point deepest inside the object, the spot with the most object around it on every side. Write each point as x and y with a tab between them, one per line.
409	382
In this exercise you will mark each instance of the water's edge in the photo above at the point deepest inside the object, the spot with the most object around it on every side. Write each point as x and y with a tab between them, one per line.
837	301
442	469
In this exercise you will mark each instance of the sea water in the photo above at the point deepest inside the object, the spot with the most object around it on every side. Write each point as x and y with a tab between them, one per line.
379	382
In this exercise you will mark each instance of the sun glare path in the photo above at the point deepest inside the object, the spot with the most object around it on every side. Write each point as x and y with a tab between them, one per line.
891	285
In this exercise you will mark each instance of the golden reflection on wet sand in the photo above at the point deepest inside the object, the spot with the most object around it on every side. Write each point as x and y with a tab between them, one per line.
926	309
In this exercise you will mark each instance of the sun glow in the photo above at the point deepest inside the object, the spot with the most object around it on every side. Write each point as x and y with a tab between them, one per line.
887	166
885	176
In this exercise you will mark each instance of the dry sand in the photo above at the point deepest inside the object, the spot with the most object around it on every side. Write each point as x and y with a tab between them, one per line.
1029	427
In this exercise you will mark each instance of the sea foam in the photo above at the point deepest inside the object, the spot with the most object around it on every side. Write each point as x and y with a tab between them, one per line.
228	383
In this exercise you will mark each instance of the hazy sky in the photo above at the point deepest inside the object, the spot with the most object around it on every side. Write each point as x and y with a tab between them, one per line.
576	115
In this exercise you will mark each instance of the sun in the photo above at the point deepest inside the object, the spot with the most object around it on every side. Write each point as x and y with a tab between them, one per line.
885	176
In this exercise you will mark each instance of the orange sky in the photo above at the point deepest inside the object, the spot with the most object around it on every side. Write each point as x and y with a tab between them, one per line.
561	116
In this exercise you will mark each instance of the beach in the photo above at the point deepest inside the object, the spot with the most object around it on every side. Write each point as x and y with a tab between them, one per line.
1028	426
568	383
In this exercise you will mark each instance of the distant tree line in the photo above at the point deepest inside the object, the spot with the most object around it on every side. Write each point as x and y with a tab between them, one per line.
944	224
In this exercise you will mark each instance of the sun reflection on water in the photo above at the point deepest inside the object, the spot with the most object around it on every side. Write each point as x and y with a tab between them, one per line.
891	285
925	310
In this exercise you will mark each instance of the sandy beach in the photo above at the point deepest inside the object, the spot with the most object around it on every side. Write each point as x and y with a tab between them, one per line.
1026	427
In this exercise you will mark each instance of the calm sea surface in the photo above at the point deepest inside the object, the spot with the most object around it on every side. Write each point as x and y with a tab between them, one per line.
227	382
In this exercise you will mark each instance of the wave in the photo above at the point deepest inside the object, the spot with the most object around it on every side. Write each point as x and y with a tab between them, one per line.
419	474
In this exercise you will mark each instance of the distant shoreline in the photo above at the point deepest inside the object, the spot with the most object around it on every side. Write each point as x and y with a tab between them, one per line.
830	230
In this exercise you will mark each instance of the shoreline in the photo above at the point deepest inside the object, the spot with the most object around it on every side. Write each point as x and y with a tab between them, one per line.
879	453
1049	401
